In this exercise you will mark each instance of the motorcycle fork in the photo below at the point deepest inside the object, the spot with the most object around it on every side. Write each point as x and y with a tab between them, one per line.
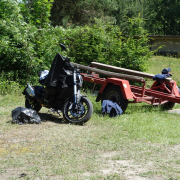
76	91
75	86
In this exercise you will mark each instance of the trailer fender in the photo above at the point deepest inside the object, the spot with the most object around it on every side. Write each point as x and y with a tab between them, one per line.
123	84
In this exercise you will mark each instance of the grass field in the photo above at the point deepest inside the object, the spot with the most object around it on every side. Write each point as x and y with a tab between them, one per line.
141	144
157	63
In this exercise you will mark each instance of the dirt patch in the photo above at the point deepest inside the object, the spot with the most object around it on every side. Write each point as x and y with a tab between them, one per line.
128	168
177	111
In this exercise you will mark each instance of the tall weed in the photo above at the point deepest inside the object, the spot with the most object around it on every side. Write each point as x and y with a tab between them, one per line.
10	87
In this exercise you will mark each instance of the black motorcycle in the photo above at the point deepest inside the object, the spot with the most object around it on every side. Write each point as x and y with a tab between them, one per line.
60	91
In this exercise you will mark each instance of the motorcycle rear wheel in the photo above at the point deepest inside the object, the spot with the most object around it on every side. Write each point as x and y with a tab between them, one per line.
79	117
35	105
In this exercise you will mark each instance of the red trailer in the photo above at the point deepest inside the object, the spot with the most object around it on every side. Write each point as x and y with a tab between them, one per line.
116	86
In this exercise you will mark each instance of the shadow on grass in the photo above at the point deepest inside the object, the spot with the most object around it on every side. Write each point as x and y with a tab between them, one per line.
56	118
52	117
142	108
136	108
97	111
49	117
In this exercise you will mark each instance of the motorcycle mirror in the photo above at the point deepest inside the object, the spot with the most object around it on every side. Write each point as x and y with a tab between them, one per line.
63	47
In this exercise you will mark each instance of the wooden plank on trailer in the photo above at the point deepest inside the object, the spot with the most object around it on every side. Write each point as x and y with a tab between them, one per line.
110	74
122	70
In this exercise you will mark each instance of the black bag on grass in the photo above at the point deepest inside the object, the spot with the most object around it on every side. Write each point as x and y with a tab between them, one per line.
23	115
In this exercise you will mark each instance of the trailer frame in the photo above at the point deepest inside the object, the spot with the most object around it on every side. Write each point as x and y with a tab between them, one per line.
165	92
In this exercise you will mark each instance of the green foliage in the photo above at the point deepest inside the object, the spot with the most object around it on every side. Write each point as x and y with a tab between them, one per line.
15	48
47	45
128	9
105	43
41	12
135	48
8	86
80	12
163	17
26	48
37	12
21	49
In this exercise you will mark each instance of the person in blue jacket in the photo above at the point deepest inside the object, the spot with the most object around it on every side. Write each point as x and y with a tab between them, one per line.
166	71
164	74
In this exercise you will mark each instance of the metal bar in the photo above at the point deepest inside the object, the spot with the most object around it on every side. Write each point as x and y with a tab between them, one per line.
143	89
157	94
147	99
93	79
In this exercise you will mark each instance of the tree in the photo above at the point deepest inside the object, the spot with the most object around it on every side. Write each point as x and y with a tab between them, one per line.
37	12
81	12
127	9
163	17
105	43
16	50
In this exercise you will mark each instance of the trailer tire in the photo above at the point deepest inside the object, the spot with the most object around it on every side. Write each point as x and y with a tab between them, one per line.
114	94
168	105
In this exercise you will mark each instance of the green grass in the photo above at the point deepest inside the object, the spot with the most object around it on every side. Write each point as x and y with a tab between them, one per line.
157	63
139	139
142	143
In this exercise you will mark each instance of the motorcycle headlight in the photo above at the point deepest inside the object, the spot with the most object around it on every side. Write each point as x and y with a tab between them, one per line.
80	80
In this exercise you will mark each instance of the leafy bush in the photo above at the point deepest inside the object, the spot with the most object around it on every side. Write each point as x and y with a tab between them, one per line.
25	49
16	49
10	87
105	43
22	48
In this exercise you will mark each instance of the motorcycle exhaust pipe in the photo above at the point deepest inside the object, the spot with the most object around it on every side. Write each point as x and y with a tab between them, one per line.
30	90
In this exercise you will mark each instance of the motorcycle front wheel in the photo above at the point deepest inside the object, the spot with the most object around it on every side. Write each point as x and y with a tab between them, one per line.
79	113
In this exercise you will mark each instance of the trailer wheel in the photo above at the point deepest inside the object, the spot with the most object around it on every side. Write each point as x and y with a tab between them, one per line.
114	94
168	105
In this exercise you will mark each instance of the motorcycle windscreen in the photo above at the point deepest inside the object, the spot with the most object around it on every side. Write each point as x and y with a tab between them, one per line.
57	74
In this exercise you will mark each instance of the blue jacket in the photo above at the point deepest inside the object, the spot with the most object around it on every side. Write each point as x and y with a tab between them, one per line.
111	108
161	77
